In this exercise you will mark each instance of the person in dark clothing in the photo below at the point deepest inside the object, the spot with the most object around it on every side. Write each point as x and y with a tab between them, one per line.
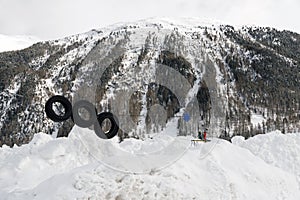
200	135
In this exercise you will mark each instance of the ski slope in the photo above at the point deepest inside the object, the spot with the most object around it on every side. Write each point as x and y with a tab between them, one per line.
263	167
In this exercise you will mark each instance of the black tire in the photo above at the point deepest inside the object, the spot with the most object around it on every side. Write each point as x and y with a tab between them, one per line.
114	125
64	102
88	106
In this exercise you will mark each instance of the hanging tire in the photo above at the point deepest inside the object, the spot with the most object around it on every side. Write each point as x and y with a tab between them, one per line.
64	102
114	128
90	108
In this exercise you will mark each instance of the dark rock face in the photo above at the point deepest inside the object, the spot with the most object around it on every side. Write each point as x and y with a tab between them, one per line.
150	74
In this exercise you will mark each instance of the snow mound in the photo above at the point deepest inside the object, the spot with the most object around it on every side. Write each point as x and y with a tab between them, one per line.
66	168
276	149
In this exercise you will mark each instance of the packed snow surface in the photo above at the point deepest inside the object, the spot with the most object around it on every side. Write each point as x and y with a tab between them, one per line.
83	166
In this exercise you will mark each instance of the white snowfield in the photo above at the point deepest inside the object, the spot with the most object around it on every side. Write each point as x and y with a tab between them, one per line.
265	167
10	43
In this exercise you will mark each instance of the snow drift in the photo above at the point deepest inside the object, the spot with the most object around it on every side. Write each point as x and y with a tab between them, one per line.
263	167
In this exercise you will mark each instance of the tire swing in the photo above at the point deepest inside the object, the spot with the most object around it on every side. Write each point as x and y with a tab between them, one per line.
114	127
51	113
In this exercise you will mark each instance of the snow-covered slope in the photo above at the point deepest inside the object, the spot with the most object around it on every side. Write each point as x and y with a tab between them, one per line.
153	72
264	167
10	43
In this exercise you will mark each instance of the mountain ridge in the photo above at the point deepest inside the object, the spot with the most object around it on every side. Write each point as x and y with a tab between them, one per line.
239	64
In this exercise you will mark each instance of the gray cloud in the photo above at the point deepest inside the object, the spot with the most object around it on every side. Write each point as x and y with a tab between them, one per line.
58	18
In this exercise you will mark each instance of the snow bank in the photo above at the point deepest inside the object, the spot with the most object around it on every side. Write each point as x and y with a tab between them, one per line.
276	149
66	168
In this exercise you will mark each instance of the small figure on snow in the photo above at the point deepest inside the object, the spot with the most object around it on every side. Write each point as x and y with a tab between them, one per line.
200	137
204	135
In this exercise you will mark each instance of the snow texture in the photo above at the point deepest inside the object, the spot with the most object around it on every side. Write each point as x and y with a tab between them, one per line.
10	43
262	167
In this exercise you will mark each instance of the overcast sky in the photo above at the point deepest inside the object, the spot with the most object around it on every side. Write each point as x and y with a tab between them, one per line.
49	19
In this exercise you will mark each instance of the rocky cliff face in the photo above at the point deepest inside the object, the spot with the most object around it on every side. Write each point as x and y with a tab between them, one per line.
155	74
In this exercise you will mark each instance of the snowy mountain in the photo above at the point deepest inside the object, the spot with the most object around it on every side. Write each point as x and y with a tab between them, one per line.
157	74
11	43
263	167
